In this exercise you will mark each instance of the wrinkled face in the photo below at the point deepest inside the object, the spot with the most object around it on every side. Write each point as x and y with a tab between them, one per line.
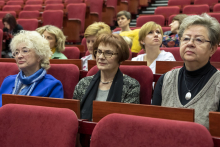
26	59
123	21
198	51
153	38
51	38
7	25
175	26
106	63
89	42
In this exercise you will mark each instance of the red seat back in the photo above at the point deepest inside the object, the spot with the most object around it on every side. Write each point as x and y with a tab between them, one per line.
77	12
180	3
28	24
54	7
15	3
209	2
145	79
49	15
34	2
32	7
146	131
29	125
12	8
84	44
215	56
215	15
71	52
3	13
1	25
216	8
68	74
96	7
53	2
197	9
29	14
159	19
167	11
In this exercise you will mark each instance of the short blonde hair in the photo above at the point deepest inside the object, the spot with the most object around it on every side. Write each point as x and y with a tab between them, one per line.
96	29
128	40
35	41
146	28
60	38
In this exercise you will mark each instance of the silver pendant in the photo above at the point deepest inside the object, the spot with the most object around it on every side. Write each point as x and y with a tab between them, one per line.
188	96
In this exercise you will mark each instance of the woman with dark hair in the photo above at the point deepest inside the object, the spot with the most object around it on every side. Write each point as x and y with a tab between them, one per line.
10	29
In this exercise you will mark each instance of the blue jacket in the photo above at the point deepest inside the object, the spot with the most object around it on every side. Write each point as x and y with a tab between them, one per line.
47	87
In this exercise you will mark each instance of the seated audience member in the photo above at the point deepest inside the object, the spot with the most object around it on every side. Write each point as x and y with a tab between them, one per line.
133	35
150	38
56	39
109	84
171	38
10	29
196	84
123	20
91	33
31	52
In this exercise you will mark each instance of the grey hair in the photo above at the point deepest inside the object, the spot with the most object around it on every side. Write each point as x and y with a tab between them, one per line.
33	40
210	23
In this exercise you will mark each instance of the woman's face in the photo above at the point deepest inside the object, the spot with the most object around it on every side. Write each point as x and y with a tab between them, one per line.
198	51
51	38
7	25
89	43
153	38
26	59
174	26
105	63
123	21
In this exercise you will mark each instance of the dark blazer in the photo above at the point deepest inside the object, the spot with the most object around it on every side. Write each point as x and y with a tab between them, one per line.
130	91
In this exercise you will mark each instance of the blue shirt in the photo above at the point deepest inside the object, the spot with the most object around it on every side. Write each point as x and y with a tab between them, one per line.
47	87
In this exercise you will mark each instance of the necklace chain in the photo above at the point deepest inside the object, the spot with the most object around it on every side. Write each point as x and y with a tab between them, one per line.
106	82
194	86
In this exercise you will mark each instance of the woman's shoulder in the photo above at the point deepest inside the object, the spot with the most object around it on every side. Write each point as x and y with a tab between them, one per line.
10	77
89	57
166	56
58	55
138	58
129	80
50	78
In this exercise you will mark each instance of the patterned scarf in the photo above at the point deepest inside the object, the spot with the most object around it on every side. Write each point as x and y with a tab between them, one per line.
30	82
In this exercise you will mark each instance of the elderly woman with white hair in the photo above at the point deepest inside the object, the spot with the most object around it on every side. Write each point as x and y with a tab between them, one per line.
197	84
32	53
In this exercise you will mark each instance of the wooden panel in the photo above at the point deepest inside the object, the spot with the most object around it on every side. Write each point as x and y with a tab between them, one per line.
101	109
214	125
42	101
77	62
92	63
165	66
216	141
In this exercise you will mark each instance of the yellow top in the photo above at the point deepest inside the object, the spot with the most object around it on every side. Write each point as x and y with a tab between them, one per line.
134	35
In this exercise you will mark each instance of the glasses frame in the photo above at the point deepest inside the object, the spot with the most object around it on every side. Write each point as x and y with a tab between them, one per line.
21	52
96	51
194	40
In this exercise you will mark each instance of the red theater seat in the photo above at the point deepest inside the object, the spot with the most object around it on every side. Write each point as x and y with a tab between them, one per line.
216	56
26	125
215	15
15	3
145	79
68	74
28	24
49	15
159	19
9	69
216	8
71	52
77	12
211	3
29	14
167	11
84	43
3	13
1	25
34	2
197	9
32	7
128	131
54	7
96	7
11	8
53	2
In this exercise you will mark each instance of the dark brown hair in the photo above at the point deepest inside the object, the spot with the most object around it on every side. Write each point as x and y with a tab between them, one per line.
10	19
114	40
179	18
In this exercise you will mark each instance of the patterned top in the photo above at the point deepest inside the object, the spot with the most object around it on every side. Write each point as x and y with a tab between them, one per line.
130	91
170	41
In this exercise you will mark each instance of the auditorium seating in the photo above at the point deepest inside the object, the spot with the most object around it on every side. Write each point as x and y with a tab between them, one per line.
3	13
71	52
68	74
54	7
124	130
211	3
28	24
29	14
11	8
53	2
215	15
9	69
145	79
197	9
180	3
1	25
96	8
32	7
34	2
216	8
49	15
167	11
159	19
15	3
25	125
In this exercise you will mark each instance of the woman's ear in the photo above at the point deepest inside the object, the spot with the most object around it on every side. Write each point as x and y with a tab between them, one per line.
213	49
142	43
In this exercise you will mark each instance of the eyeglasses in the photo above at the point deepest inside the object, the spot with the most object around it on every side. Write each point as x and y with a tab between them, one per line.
197	40
107	54
22	52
